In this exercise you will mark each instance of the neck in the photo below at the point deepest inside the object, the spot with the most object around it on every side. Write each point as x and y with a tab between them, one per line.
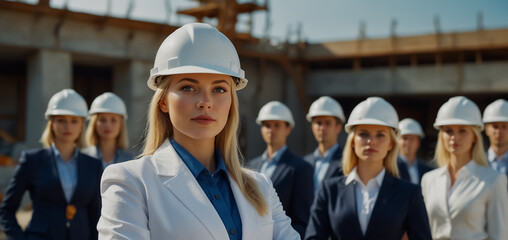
272	148
323	147
366	172
499	150
202	150
410	158
457	162
108	149
66	149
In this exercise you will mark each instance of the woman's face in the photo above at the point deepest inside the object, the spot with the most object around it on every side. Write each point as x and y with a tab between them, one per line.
458	139
372	143
108	125
198	104
66	128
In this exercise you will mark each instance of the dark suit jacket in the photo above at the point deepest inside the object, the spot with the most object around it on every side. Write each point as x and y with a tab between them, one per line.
404	173
37	172
335	167
399	208
293	182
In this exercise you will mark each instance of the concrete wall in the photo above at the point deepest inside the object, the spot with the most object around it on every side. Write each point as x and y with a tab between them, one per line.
448	79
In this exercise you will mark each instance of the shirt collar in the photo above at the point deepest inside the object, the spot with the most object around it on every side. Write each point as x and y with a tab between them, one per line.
276	155
492	157
404	159
317	154
465	171
193	164
353	175
59	157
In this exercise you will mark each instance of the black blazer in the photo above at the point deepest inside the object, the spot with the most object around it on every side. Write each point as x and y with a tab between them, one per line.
293	181
404	173
335	167
37	172
399	208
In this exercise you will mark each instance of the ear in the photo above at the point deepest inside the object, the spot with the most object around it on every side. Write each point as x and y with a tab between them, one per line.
163	105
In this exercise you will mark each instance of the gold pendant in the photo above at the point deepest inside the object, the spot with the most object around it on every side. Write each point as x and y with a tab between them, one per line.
70	211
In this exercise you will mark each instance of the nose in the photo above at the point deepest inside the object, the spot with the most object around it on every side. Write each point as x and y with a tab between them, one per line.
205	102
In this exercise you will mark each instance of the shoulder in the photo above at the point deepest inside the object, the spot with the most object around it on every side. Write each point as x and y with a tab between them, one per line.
35	156
334	182
294	160
263	182
432	176
423	165
405	186
124	156
488	175
309	157
90	151
138	168
89	159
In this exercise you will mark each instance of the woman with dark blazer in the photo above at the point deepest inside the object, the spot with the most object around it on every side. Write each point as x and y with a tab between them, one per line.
63	183
369	201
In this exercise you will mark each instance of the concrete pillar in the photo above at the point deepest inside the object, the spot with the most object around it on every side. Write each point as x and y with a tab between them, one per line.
48	72
129	83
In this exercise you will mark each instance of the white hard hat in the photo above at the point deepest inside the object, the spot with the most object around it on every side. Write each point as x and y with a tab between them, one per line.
108	103
66	102
458	110
496	112
373	111
410	126
275	110
197	48
325	106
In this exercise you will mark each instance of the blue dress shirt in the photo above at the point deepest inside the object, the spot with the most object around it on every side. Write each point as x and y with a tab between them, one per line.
269	165
104	163
321	165
67	171
217	189
499	164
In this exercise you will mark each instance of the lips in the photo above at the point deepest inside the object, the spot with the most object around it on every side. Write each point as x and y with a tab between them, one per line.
203	119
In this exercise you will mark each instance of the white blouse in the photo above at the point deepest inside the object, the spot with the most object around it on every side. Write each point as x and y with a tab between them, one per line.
475	207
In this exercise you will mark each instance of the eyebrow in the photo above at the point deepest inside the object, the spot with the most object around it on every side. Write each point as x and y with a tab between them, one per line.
197	82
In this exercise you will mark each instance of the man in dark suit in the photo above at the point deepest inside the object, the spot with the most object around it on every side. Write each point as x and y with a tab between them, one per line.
291	176
326	117
410	168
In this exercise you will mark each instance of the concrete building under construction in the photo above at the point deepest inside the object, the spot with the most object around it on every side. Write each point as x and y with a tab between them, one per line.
43	50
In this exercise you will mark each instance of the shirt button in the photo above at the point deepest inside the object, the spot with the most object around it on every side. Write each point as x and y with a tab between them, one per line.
232	231
217	196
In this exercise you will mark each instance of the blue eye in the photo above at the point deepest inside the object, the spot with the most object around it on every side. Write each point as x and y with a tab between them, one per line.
187	88
219	90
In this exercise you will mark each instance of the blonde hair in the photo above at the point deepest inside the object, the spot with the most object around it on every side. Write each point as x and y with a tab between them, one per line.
159	128
442	156
92	137
350	160
48	137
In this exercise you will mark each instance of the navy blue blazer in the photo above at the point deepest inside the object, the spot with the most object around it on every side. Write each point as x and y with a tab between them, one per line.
404	173
293	180
37	172
335	167
399	208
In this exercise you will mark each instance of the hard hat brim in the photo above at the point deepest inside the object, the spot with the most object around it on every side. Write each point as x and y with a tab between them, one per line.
104	110
196	69
455	121
495	119
349	126
61	112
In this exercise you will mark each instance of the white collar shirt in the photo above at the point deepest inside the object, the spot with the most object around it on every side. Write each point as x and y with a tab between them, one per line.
499	164
365	196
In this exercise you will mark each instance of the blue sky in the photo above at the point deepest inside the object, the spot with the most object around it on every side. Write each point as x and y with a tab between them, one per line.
325	20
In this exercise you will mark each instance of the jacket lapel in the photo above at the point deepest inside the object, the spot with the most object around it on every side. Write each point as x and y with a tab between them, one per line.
281	165
383	199
185	187
350	198
55	175
82	170
248	214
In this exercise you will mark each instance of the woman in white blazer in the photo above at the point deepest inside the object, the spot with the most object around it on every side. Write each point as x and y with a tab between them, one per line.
190	184
465	199
106	136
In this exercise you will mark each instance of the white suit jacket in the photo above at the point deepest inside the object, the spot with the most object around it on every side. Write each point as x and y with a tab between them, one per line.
477	208
157	197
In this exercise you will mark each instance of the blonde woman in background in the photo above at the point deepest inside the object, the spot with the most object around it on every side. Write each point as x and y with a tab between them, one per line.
63	183
106	136
369	201
465	199
190	184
